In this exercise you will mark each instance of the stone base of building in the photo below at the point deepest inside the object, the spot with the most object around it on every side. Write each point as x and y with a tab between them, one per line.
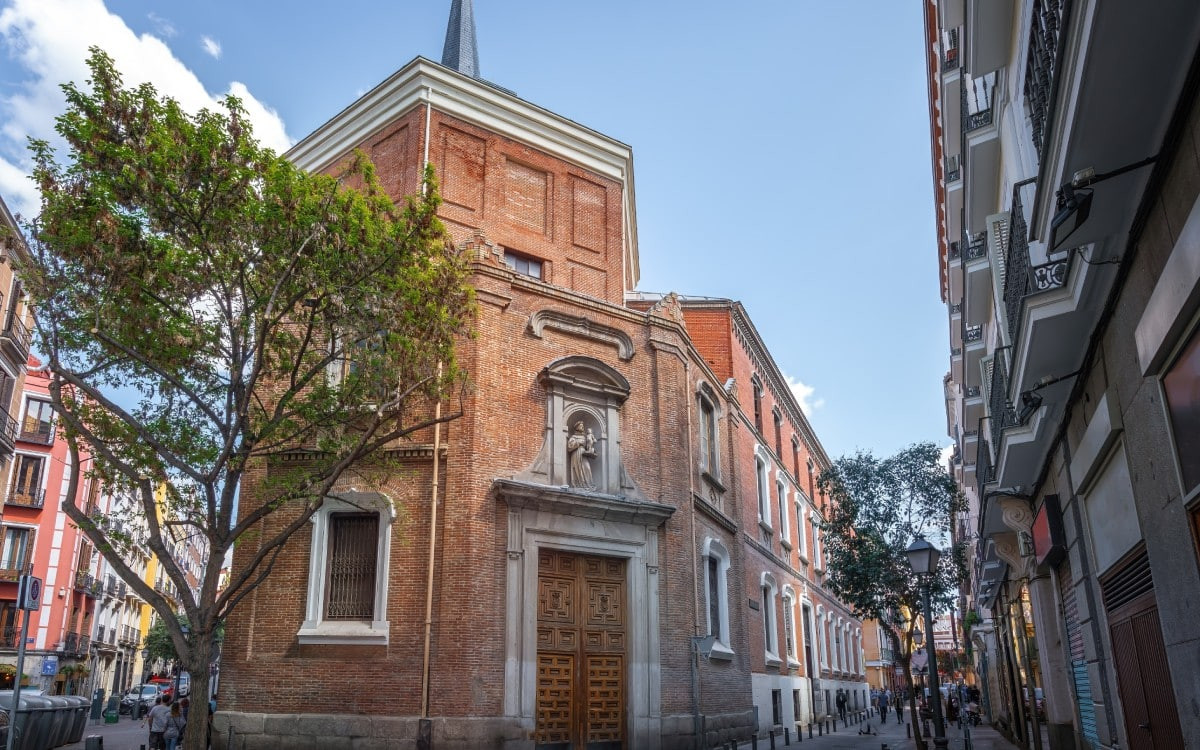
234	730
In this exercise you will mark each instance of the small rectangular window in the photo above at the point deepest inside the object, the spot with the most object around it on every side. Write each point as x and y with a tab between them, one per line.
350	593
523	264
779	436
1181	385
776	706
709	444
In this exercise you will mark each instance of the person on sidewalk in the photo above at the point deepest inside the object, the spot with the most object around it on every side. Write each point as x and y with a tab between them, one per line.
884	700
841	705
157	719
899	708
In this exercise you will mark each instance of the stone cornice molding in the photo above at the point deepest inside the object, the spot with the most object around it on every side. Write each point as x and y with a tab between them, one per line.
715	514
581	503
583	327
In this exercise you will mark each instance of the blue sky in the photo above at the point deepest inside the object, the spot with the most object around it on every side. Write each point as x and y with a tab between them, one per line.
781	147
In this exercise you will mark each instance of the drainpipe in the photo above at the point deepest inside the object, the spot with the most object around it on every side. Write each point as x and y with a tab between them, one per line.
425	731
425	157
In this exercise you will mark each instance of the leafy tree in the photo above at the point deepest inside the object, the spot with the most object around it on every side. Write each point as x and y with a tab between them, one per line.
877	507
205	309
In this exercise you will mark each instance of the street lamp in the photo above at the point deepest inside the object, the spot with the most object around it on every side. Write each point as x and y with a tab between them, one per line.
923	558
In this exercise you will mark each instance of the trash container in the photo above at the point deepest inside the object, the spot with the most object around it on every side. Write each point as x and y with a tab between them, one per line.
61	720
94	742
79	717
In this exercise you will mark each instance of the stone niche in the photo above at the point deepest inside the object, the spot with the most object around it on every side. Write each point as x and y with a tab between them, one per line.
583	413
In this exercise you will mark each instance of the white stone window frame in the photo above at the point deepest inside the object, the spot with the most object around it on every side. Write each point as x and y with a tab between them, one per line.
781	502
770	617
790	602
316	629
762	475
715	549
801	506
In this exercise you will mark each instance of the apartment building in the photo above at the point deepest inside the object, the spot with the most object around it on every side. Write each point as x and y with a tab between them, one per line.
1064	136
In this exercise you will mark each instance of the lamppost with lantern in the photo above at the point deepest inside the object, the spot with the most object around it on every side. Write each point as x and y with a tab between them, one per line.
923	558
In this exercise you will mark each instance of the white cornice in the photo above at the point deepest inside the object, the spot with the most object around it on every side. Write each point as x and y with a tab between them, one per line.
487	107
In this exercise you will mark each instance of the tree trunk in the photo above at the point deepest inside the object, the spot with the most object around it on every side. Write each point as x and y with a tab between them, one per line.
905	661
195	734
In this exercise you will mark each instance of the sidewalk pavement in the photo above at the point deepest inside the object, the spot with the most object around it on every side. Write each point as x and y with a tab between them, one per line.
889	733
126	734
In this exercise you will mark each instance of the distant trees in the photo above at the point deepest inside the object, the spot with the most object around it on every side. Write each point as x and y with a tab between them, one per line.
877	507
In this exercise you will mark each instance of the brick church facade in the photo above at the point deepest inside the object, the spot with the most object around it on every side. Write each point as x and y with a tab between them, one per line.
617	540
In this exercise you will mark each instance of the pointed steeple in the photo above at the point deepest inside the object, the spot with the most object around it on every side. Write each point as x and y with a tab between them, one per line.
460	51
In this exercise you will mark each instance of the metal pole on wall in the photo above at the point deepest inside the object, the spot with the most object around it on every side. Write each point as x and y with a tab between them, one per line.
24	596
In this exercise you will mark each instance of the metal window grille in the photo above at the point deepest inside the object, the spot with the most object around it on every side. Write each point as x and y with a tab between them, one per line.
352	561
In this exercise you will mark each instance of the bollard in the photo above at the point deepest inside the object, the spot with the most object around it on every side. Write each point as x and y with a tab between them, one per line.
771	736
733	745
810	730
908	731
787	737
821	729
754	742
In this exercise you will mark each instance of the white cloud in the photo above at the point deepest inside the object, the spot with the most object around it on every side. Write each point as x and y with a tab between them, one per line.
161	25
47	42
211	46
804	395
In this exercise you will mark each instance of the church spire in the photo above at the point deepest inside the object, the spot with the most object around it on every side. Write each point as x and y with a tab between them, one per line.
460	51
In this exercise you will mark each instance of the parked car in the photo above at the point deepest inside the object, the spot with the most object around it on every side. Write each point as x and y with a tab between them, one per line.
147	693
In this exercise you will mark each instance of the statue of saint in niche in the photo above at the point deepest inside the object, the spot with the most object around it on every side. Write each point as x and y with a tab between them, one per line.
581	447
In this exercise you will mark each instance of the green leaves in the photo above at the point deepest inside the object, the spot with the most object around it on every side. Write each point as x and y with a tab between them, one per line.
206	308
877	507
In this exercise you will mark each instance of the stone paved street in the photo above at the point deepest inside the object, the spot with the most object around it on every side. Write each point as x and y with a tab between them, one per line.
890	734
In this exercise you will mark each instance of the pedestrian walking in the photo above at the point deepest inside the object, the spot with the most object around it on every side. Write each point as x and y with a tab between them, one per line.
899	708
841	704
157	719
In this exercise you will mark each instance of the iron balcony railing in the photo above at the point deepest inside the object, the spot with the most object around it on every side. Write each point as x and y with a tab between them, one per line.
25	497
1045	23
16	334
972	391
8	427
983	465
1000	407
977	102
950	49
973	333
953	172
976	245
956	308
1021	279
11	571
10	636
85	643
34	430
954	251
70	643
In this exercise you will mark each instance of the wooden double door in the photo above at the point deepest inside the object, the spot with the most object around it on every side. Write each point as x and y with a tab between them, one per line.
581	652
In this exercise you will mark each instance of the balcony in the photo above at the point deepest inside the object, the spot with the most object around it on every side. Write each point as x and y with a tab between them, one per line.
988	34
34	430
980	146
25	497
14	340
10	636
8	432
71	643
11	571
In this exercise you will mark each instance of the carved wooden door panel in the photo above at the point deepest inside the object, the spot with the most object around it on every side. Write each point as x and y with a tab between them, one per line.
581	652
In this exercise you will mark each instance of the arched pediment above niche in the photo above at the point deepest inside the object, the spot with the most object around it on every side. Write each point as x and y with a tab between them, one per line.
581	444
587	374
582	327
